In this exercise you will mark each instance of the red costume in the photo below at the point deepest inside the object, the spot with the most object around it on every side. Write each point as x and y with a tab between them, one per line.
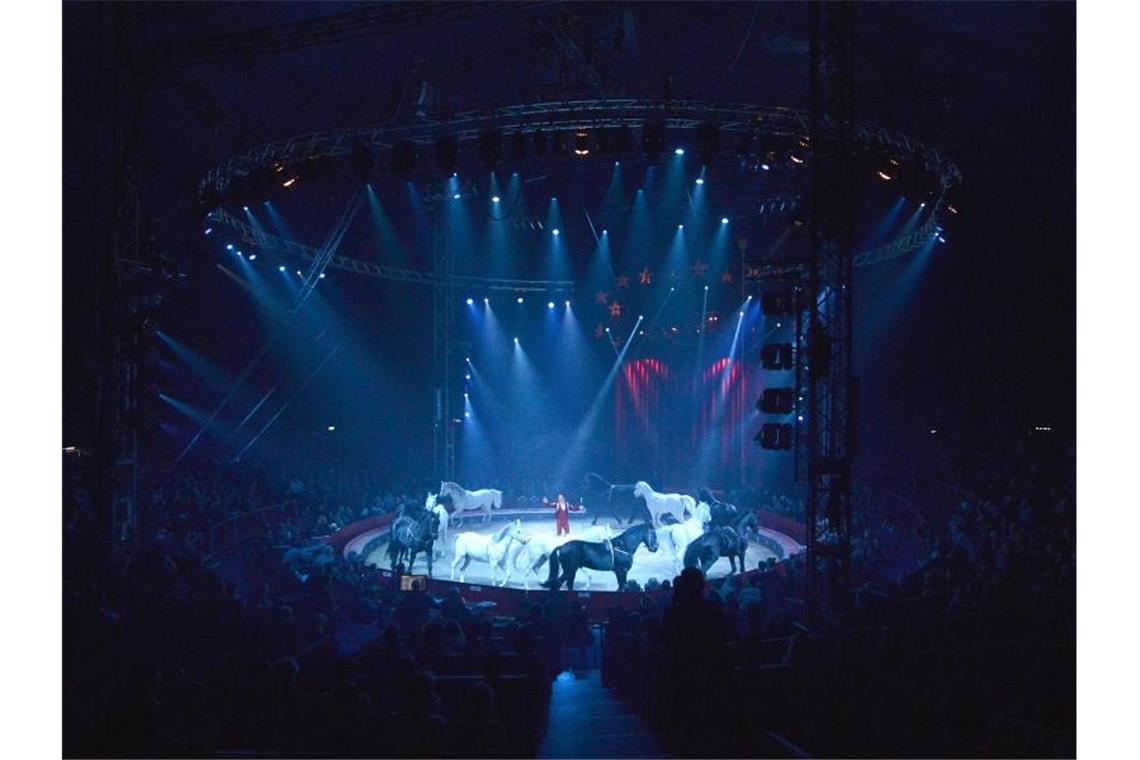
562	512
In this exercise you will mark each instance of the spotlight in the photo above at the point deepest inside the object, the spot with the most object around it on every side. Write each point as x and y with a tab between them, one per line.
332	428
252	256
321	276
299	273
470	301
680	226
941	239
607	329
208	230
567	304
229	246
765	167
706	287
550	304
456	196
679	151
581	143
239	253
494	199
605	232
486	300
245	208
467	415
555	231
700	181
724	220
289	182
281	268
467	359
467	377
520	299
516	339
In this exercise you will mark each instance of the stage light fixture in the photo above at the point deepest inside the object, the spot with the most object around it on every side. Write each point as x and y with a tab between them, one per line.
700	181
567	304
299	273
494	199
777	401
520	299
321	276
775	436
470	301
281	268
550	304
253	256
332	428
516	339
229	246
486	301
555	231
679	151
208	230
581	142
245	208
456	196
724	220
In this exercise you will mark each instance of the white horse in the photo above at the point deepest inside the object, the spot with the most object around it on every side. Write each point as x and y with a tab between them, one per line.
431	505
534	553
676	538
490	549
462	500
676	504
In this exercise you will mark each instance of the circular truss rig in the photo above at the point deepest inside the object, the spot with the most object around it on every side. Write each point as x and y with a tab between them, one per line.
581	130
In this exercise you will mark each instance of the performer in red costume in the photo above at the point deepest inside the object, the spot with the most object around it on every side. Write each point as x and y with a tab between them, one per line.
562	510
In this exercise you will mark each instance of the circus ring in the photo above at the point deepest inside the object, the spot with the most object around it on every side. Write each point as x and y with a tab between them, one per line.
779	537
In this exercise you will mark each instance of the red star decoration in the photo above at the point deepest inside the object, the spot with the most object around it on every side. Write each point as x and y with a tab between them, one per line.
615	310
602	296
726	277
599	331
623	281
646	276
699	268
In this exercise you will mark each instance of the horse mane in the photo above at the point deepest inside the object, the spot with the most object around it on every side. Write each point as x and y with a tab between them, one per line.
596	481
501	532
630	535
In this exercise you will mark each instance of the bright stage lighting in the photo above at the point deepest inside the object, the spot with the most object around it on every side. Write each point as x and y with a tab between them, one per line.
519	299
208	230
487	301
467	377
765	167
239	253
554	231
456	196
332	428
470	301
494	199
467	414
567	304
550	304
724	220
245	208
706	287
680	151
281	268
229	246
516	340
700	181
322	275
252	256
299	273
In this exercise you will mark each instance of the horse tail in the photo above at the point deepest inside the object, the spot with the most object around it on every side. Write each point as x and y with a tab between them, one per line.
552	580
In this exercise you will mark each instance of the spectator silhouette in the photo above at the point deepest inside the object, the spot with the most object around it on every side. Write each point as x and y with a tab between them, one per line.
477	733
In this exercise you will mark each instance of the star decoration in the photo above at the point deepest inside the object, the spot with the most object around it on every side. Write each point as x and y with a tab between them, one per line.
726	277
699	268
602	296
646	276
615	310
623	281
599	331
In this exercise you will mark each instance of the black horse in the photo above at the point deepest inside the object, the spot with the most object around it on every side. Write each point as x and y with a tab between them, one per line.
706	549
613	499
414	531
616	555
725	515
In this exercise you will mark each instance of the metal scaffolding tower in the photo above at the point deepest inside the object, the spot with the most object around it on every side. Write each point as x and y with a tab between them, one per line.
826	364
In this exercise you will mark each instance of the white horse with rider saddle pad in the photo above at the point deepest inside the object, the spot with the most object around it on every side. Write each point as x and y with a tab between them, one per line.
676	504
490	549
462	500
532	555
676	538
